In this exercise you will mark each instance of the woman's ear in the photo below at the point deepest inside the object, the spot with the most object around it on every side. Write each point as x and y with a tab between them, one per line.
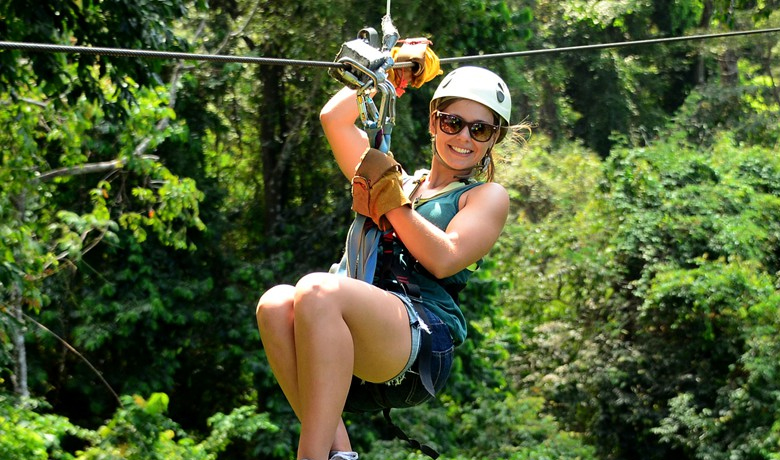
432	124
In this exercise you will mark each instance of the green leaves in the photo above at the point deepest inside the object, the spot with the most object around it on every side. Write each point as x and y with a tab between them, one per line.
629	304
140	24
241	423
692	204
27	432
46	217
139	430
642	288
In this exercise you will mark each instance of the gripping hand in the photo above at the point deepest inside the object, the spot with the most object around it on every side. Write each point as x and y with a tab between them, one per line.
377	187
426	64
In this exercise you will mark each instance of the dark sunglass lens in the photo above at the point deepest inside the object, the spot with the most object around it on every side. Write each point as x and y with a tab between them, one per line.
481	131
451	124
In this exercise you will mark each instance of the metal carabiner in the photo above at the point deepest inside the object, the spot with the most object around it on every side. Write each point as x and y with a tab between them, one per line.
364	69
375	120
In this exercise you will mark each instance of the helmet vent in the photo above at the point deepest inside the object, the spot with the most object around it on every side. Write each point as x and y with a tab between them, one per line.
500	96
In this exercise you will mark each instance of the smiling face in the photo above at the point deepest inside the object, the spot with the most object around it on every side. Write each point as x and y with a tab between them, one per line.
460	152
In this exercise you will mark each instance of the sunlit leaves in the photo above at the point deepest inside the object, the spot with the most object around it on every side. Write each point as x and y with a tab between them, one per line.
28	432
174	202
41	227
141	24
659	282
138	430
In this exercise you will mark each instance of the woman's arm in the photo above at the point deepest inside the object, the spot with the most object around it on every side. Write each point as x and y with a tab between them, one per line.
468	237
347	141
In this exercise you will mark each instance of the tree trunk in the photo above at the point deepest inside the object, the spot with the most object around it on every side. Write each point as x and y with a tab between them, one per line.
272	133
17	331
729	71
18	327
768	67
548	112
704	24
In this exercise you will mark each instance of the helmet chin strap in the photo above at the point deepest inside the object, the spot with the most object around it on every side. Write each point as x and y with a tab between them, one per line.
478	168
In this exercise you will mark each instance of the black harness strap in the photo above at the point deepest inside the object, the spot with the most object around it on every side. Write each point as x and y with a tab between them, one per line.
399	433
395	277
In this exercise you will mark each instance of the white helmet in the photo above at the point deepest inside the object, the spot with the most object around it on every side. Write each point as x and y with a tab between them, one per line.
479	85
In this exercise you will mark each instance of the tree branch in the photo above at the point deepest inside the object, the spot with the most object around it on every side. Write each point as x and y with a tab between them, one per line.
240	30
115	164
76	352
139	150
80	170
26	100
91	168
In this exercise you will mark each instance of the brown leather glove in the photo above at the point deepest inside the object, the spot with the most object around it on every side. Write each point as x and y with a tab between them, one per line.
377	187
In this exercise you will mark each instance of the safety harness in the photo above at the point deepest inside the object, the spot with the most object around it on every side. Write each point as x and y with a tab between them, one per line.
368	68
396	275
367	63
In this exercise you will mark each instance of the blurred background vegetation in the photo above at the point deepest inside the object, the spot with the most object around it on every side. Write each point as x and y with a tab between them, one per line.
630	309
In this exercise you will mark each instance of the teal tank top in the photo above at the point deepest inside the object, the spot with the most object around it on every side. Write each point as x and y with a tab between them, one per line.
440	210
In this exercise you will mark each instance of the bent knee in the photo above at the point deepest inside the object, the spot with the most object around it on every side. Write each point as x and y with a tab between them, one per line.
316	286
315	291
278	299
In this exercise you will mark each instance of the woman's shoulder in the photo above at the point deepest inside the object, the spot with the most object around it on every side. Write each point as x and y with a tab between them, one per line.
490	189
490	194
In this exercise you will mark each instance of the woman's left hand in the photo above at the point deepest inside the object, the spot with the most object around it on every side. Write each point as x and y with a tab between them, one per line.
377	187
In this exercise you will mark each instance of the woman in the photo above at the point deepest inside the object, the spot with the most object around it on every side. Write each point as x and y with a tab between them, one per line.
328	328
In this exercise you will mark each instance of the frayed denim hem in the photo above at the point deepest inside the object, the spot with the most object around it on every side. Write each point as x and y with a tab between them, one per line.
418	326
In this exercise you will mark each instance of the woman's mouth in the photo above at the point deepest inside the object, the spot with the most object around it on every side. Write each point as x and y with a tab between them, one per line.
460	150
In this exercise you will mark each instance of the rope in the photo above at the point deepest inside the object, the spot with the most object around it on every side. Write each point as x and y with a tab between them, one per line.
42	47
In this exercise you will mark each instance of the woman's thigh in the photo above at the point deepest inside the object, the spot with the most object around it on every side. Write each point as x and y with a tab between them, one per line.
377	320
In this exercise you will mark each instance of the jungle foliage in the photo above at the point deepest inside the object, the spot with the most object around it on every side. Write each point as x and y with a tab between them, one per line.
629	310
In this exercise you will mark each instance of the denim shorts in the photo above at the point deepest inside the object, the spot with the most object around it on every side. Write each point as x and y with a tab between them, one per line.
417	325
406	389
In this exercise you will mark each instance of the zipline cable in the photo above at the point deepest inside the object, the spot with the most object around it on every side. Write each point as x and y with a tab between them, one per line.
121	52
607	45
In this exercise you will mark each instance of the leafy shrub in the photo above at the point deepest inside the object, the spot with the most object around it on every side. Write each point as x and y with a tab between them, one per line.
139	430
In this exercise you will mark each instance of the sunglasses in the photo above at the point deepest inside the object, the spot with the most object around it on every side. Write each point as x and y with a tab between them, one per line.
453	124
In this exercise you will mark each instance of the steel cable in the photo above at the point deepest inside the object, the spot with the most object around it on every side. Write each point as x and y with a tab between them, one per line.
121	52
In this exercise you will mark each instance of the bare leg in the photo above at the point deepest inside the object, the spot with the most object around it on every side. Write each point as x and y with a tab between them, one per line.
341	327
275	322
325	352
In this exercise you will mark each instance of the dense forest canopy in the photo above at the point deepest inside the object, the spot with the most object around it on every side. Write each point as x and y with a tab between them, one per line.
630	309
